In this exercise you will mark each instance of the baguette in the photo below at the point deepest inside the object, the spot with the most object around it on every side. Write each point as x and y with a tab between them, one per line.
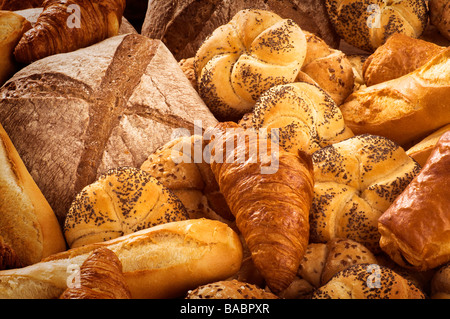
164	261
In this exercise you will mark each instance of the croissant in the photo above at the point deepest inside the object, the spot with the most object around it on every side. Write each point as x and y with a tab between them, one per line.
68	25
270	202
101	277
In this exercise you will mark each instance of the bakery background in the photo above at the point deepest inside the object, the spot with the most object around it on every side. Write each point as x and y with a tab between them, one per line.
88	114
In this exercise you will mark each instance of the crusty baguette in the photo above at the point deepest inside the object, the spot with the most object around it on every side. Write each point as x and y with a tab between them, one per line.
406	108
28	224
160	262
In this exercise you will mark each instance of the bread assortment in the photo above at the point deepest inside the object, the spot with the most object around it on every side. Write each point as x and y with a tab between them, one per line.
225	150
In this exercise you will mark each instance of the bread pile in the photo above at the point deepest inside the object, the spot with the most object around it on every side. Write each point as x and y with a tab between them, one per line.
269	153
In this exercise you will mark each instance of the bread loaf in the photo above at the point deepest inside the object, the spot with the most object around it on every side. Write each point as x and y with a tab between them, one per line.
164	261
120	202
73	116
230	289
303	115
29	228
440	16
422	150
367	24
368	281
12	27
60	28
183	25
405	109
415	228
355	181
400	55
256	50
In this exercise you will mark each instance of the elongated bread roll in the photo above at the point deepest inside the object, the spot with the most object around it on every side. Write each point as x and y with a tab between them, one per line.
160	262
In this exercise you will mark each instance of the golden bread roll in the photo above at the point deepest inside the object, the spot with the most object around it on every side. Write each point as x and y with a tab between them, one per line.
367	24
65	26
256	50
269	191
440	16
356	180
328	68
230	289
101	277
368	281
29	228
12	27
304	115
422	150
163	261
440	283
121	201
400	55
415	228
404	109
180	166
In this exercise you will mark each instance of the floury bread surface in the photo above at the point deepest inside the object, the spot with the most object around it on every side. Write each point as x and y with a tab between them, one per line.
73	116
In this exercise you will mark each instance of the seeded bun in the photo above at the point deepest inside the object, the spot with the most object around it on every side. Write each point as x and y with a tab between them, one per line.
368	281
356	180
122	201
256	50
305	115
356	21
230	289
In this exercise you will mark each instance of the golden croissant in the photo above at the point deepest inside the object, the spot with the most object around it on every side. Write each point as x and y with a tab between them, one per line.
271	203
68	25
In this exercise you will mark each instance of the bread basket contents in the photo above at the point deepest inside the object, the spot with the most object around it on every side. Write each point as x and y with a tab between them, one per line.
269	192
355	181
101	277
12	27
256	50
414	229
101	107
304	115
181	167
367	24
65	26
122	201
368	281
163	261
29	229
404	109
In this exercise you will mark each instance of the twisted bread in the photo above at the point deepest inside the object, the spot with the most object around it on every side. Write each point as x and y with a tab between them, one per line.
256	50
271	206
368	281
356	180
306	117
56	30
180	166
415	228
101	277
367	24
121	201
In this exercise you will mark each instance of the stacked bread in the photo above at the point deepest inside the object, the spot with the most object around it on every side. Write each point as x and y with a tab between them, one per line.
269	162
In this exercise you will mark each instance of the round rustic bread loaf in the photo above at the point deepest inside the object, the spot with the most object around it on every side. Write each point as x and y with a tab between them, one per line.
73	116
367	24
256	50
356	180
122	201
